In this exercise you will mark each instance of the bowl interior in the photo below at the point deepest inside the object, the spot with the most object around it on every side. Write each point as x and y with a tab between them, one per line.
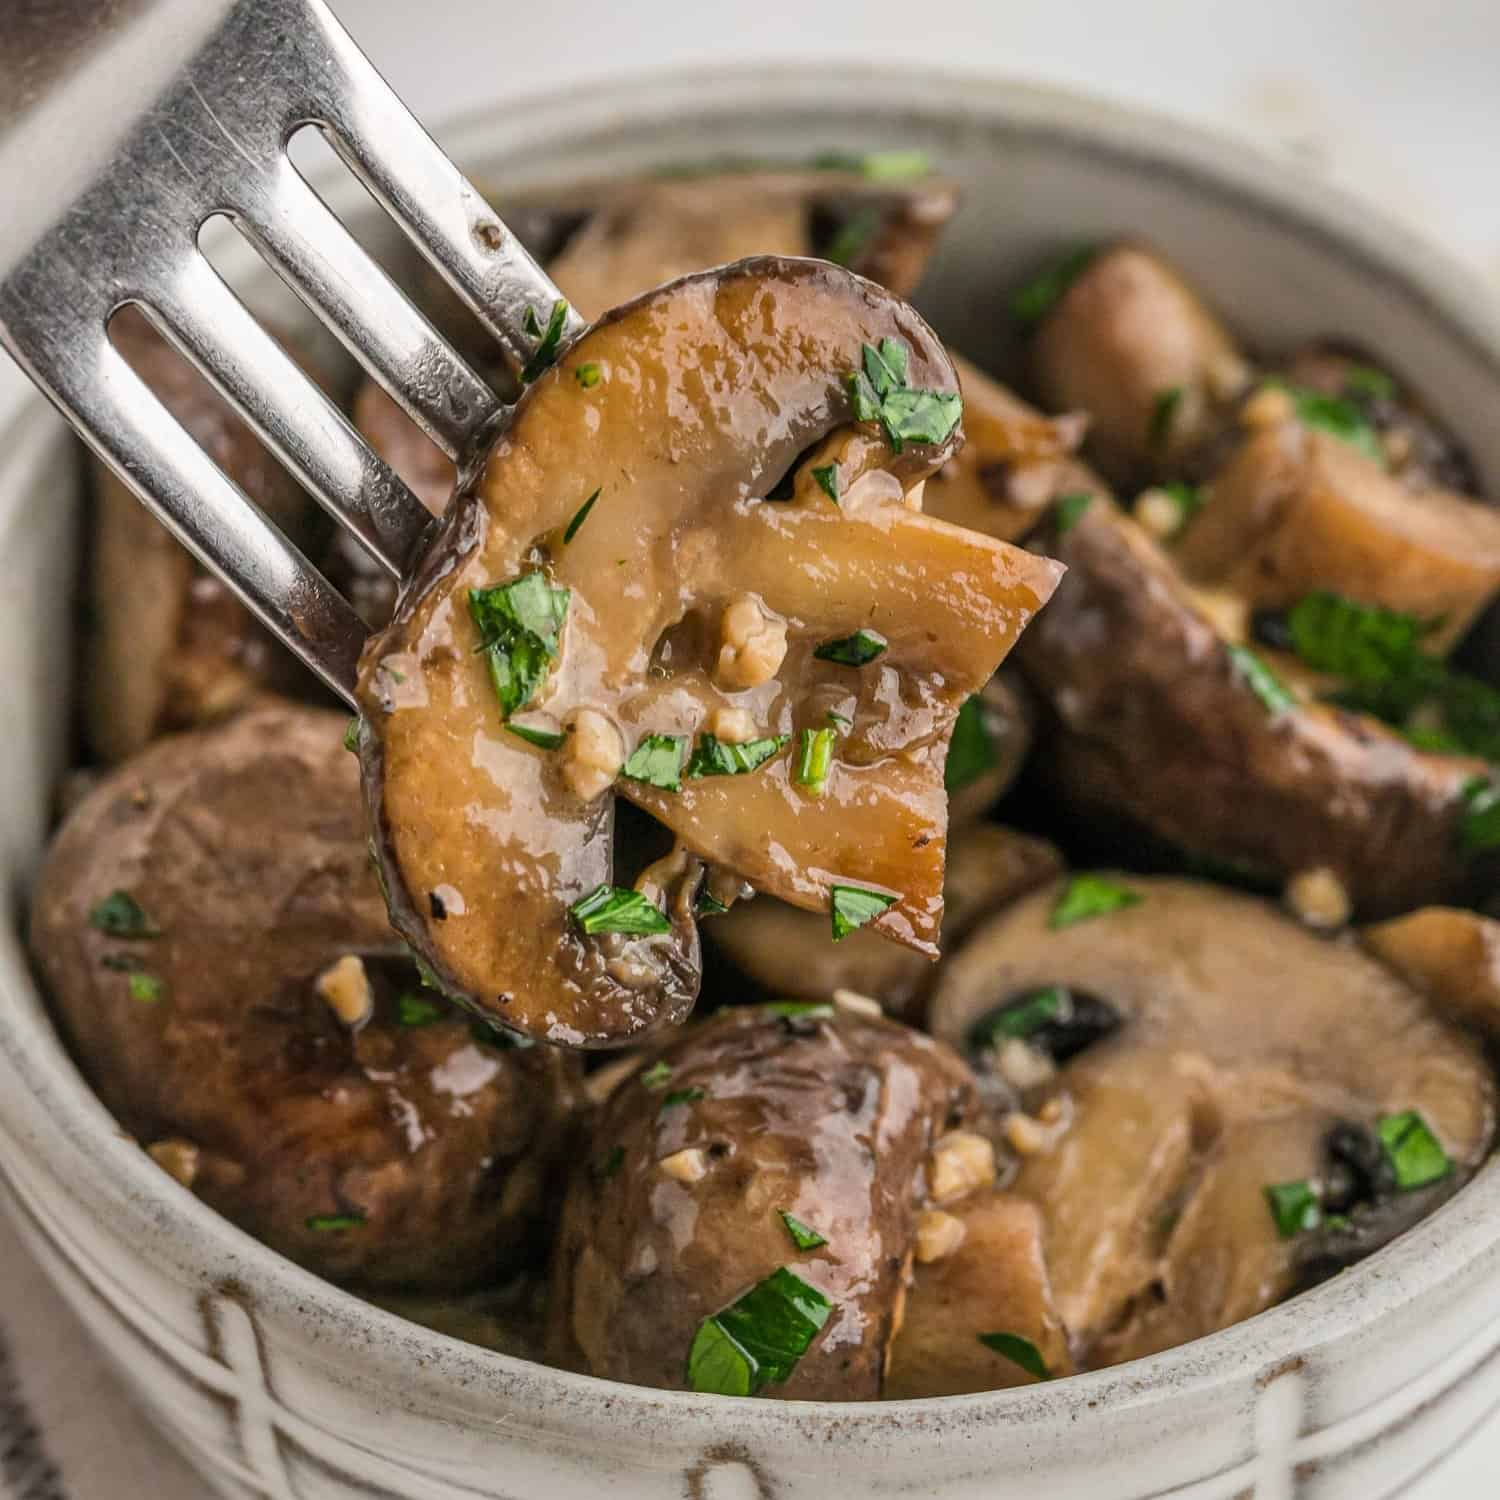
1276	252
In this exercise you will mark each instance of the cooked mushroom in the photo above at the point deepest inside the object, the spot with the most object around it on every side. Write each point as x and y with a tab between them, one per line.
1162	716
169	645
1132	344
788	952
753	1135
219	954
622	531
1451	954
1249	1055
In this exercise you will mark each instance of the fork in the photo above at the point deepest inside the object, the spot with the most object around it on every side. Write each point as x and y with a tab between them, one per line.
124	128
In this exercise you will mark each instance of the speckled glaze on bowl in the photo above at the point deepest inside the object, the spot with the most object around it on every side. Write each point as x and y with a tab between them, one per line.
278	1385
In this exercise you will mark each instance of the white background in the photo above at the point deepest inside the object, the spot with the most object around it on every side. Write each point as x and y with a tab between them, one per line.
1400	101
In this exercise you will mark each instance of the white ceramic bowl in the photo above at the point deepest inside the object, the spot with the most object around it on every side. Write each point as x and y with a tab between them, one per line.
279	1385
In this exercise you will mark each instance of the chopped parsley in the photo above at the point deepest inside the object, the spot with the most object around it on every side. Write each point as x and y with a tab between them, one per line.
120	915
840	721
608	1164
655	1077
1019	1351
709	905
657	761
519	627
1339	418
1188	498
587	375
334	1223
1070	510
613	908
351	735
683	1096
1031	303
877	166
1295	1207
971	751
853	237
803	1236
1480	828
878	393
1163	414
546	351
1022	1018
857	650
812	1010
1415	1153
580	516
1276	697
144	987
543	739
417	1010
814	759
827	476
757	1340
714	757
1365	382
852	906
1087	896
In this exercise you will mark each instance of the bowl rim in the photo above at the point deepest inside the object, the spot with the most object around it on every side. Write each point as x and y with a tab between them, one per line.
85	1153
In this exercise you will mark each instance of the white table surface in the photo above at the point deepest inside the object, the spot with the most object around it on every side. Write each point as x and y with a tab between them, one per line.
1395	100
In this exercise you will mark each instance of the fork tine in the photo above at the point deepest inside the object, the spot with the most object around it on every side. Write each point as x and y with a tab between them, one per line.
198	311
129	428
441	211
323	263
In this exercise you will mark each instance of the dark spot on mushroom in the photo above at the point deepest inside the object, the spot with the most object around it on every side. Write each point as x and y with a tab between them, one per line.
435	905
1271	628
1055	1020
1359	1170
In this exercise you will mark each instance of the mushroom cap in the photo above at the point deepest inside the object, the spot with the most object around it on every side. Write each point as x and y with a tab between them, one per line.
1153	720
1245	1038
245	846
1451	954
709	390
830	1117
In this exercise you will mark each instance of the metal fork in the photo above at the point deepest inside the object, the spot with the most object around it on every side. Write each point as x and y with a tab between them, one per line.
124	126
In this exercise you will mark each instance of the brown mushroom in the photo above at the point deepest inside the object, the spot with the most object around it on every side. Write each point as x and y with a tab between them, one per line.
169	645
1156	719
817	1113
1132	344
218	952
1249	1054
1451	954
691	594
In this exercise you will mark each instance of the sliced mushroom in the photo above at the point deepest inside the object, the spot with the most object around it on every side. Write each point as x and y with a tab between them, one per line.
1246	1046
1155	720
678	568
218	952
788	951
169	645
826	1116
994	1281
1133	345
1296	510
1014	463
1451	954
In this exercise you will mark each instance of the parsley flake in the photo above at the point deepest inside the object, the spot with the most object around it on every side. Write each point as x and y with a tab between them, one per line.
878	392
657	761
519	627
757	1340
588	375
1295	1207
1414	1151
655	1077
714	757
683	1096
1019	1351
971	751
120	915
803	1236
857	650
852	906
827	476
580	516
814	759
613	908
545	353
414	1010
1032	302
1070	509
334	1223
1087	896
1276	697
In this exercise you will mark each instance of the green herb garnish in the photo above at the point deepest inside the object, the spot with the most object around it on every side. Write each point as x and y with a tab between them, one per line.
853	236
857	650
814	1010
1261	680
804	1236
587	375
545	353
709	905
1023	1017
1070	510
840	721
608	1164
1339	418
351	735
682	1096
519	628
757	1340
1296	1208
543	739
1018	1351
714	757
580	516
1480	829
854	905
657	761
1188	498
120	915
1163	413
655	1077
1032	303
1414	1151
971	751
878	166
613	908
878	392
145	987
1087	896
334	1223
1368	383
417	1010
814	759
827	476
